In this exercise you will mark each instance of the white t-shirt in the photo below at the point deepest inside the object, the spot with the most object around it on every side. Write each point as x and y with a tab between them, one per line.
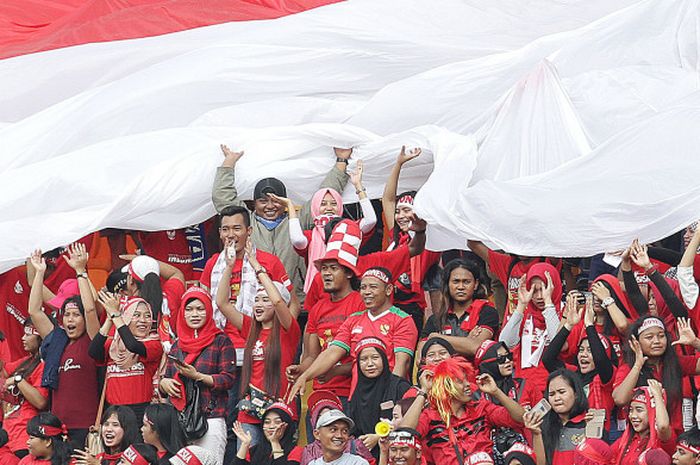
345	459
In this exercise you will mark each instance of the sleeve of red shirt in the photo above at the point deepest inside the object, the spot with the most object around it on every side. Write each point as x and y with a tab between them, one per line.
499	264
277	272
531	395
315	292
622	371
173	289
397	261
154	350
423	423
498	415
342	338
311	321
688	364
406	336
205	277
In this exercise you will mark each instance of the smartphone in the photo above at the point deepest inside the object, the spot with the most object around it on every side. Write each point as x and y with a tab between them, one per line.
175	359
542	406
596	425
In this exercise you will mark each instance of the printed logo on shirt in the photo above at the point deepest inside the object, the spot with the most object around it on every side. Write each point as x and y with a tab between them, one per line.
357	330
18	288
137	369
405	279
384	329
258	351
326	339
68	366
12	310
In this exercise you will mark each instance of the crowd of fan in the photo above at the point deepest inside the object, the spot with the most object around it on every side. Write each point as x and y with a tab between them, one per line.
409	356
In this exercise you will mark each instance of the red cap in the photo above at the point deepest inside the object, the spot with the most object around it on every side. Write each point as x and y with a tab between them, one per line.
288	409
481	351
68	288
343	245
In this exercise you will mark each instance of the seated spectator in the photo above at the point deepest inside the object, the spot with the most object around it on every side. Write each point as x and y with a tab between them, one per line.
465	319
326	204
68	371
270	228
564	426
452	408
119	429
435	350
332	432
319	402
376	392
687	448
192	455
382	320
401	447
534	322
409	295
648	426
278	446
48	441
139	454
131	350
203	354
161	429
23	395
273	336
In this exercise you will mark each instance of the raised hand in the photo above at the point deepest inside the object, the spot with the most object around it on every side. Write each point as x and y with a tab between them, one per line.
589	313
426	380
417	224
342	153
356	176
282	200
230	157
547	289
77	257
626	264
244	436
250	254
37	261
109	301
600	291
686	335
572	312
639	357
639	255
524	295
656	389
486	384
405	157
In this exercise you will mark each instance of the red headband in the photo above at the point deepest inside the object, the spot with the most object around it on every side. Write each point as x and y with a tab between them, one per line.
133	457
649	323
369	342
47	430
405	200
404	438
692	449
188	457
375	273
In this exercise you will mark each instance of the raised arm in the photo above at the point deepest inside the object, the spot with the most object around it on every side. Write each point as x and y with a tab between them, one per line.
622	394
417	244
663	423
640	257
224	192
603	364
392	182
510	334
336	179
479	248
281	308
223	293
296	232
619	319
77	259
686	280
369	217
40	320
571	317
487	385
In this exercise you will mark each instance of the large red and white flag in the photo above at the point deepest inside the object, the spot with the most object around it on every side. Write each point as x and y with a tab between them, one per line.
537	116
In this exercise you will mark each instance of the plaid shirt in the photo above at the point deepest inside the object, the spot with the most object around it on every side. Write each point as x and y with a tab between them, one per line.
218	360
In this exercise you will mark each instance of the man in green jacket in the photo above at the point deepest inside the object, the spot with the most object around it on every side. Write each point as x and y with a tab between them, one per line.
271	222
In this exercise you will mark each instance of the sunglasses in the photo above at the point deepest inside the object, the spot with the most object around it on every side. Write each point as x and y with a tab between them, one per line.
501	359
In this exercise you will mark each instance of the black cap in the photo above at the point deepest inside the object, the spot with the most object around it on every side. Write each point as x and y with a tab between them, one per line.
116	281
269	186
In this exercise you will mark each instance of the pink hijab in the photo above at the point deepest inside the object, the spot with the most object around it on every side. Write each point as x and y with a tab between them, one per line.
317	245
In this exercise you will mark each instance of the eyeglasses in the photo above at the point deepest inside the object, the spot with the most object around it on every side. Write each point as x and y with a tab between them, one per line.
501	359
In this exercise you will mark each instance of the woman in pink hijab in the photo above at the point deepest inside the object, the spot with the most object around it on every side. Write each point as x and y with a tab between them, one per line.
326	204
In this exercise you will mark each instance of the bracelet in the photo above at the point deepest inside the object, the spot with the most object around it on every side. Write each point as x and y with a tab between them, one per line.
341	160
650	271
260	271
358	192
81	275
278	451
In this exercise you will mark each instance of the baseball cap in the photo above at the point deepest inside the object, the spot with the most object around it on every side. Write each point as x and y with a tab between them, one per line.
331	417
269	186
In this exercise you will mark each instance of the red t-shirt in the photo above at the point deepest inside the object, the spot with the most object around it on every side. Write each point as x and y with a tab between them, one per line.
133	385
75	400
289	340
687	363
404	294
169	247
394	327
325	319
19	414
397	262
275	270
472	430
31	460
172	296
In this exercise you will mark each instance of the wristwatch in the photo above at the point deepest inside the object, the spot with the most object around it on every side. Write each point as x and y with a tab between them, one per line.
18	379
82	275
341	160
260	271
114	315
607	302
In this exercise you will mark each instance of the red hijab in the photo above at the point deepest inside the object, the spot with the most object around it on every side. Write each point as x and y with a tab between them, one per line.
192	341
538	271
614	284
641	394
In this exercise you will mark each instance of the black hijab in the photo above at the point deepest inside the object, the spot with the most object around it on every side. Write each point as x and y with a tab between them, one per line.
370	393
489	365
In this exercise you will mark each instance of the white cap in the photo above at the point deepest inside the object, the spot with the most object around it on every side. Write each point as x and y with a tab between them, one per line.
141	266
331	416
